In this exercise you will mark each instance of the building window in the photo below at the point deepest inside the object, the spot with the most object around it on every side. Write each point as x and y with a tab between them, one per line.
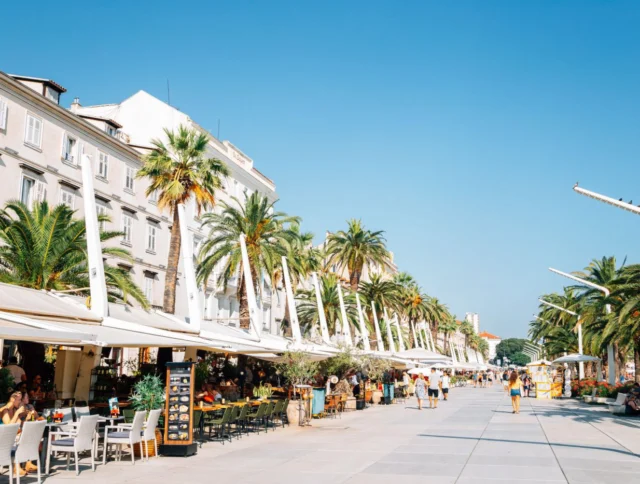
153	196
52	95
4	111
67	198
111	131
33	131
101	210
69	145
130	176
103	164
151	236
31	191
148	288
127	225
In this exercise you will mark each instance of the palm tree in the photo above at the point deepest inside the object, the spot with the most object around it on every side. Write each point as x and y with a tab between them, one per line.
467	330
594	315
382	292
267	234
448	327
436	312
180	171
624	326
46	248
412	306
302	260
356	248
308	305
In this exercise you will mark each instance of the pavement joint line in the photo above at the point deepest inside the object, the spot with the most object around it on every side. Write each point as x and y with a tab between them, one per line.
548	442
466	462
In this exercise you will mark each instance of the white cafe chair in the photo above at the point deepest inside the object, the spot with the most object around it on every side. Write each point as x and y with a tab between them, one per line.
28	446
81	439
124	434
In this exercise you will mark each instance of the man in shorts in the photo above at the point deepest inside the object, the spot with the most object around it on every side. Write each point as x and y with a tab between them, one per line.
435	383
444	384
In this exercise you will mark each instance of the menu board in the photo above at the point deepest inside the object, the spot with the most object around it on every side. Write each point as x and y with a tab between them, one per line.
178	427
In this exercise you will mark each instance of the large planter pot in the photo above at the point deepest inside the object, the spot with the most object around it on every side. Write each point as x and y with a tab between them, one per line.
293	414
350	404
376	397
150	446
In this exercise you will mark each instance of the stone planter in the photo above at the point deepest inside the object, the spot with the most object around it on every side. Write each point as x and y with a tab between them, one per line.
150	446
293	414
377	396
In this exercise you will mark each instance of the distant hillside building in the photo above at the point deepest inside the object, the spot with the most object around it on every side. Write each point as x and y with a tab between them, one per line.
493	341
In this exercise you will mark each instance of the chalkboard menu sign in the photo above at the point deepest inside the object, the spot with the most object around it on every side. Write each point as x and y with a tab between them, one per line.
178	427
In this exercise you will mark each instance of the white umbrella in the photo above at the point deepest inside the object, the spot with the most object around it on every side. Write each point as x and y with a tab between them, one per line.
576	358
539	363
440	366
419	371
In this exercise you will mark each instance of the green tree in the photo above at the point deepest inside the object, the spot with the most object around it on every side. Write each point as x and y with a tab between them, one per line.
447	328
267	234
46	248
180	171
356	248
307	306
467	330
512	349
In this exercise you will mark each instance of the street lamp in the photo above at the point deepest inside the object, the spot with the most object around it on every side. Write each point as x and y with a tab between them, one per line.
611	361
611	201
572	313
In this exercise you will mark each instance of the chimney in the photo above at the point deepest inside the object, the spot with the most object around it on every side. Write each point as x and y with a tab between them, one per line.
75	105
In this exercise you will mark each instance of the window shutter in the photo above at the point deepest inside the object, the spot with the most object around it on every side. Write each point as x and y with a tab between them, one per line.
4	108
65	139
41	192
37	131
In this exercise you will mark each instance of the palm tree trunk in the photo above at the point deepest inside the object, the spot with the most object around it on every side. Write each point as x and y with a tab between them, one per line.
245	320
446	344
354	279
411	340
434	332
171	278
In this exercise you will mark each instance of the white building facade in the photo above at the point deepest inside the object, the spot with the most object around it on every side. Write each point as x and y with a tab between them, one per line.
40	147
474	320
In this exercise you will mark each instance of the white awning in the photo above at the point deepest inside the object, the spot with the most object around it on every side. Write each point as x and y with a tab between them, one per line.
21	328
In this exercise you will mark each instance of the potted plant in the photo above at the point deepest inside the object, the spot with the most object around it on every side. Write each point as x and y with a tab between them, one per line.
375	369
148	394
263	392
297	368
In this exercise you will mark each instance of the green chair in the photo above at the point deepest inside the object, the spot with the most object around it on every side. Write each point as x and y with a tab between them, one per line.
241	421
220	424
128	414
268	414
233	420
255	418
197	424
283	415
277	412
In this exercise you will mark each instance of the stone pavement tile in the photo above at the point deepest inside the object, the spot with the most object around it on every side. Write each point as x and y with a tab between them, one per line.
426	470
513	473
604	476
512	448
343	465
594	464
406	479
488	480
398	457
463	448
601	454
514	460
321	456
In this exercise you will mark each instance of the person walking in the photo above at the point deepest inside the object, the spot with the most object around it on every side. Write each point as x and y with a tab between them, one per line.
526	384
505	381
420	390
445	386
435	384
515	390
475	379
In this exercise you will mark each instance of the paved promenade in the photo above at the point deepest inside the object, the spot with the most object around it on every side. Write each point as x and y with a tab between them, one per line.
473	438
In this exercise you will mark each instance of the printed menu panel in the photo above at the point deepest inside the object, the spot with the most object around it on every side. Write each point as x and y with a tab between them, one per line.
179	405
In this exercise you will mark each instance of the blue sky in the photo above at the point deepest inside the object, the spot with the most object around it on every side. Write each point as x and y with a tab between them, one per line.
457	127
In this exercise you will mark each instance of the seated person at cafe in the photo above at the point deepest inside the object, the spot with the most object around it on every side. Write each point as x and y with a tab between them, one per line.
208	394
36	392
31	413
13	410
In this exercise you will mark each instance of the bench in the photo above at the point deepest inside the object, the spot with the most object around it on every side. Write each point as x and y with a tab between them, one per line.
618	407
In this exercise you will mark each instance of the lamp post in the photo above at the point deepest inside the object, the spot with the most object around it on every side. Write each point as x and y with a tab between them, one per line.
611	361
579	324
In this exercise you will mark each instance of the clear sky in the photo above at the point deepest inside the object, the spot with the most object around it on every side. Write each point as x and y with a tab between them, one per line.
457	127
